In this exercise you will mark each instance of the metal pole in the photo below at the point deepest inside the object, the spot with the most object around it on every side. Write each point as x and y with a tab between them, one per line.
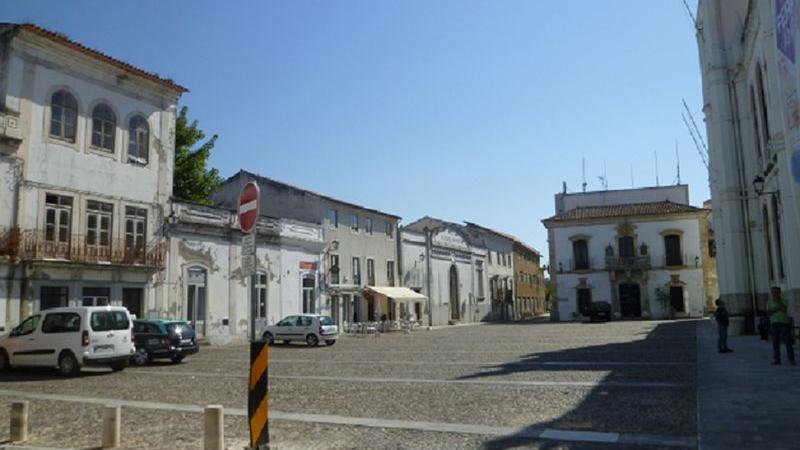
428	274
253	307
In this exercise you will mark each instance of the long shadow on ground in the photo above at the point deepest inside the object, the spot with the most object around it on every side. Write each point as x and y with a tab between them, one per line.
666	354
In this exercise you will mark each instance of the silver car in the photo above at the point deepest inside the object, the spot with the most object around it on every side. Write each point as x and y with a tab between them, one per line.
311	328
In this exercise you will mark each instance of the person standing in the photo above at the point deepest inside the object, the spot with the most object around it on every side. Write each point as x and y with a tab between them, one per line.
779	326
722	317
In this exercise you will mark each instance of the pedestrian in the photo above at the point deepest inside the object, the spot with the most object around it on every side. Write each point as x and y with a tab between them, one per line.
721	315
780	327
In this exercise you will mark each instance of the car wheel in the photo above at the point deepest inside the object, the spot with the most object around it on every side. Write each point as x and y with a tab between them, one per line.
68	365
177	359
269	338
119	366
330	342
4	362
141	357
312	340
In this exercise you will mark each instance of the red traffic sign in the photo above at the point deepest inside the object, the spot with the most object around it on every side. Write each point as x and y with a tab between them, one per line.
248	207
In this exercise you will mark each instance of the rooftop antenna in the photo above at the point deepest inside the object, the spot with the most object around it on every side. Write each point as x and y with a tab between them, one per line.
563	187
678	160
696	25
604	178
632	183
655	152
583	169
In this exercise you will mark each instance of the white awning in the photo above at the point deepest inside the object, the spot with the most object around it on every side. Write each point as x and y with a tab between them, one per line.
399	294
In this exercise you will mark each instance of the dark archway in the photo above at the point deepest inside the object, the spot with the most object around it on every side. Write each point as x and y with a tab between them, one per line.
455	304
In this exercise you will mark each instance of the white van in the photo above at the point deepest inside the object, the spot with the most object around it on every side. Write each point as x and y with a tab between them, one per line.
70	338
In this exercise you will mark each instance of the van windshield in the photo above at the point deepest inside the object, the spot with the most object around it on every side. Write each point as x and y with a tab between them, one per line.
110	320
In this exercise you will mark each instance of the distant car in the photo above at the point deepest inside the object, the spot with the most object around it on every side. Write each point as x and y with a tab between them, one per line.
311	328
600	312
70	338
163	339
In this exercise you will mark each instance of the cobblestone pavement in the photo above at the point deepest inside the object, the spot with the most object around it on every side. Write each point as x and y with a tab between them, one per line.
746	403
620	385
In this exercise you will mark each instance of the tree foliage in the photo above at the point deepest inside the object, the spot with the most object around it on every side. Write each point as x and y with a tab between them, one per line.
193	180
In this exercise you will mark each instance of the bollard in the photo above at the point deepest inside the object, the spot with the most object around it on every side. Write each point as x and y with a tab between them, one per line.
214	428
112	416
19	421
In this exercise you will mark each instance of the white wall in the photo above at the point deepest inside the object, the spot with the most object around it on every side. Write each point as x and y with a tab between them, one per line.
676	194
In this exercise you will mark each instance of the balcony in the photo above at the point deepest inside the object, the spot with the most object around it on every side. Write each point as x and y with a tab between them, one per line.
31	245
681	261
628	262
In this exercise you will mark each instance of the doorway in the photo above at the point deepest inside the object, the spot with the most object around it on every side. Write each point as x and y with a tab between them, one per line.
196	299
96	296
455	304
308	291
630	303
132	299
676	299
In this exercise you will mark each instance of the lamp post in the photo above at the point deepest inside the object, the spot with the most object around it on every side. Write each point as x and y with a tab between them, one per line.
331	247
758	186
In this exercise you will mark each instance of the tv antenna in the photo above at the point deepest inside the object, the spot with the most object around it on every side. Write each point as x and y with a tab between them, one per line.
632	183
678	160
655	152
604	179
583	170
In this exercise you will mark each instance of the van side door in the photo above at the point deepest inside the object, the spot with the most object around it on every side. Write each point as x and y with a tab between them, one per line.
60	330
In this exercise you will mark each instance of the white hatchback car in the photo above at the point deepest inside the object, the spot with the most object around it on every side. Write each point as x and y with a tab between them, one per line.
311	328
70	338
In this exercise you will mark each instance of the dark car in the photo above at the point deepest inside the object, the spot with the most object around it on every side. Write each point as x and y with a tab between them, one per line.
162	339
600	312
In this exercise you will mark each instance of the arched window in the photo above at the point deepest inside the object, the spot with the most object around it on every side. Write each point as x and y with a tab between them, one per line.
762	98
104	125
63	115
756	131
138	140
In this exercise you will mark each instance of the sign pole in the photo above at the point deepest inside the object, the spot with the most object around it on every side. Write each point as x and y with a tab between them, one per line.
258	387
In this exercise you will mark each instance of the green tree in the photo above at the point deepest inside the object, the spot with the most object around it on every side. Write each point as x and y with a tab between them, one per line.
193	181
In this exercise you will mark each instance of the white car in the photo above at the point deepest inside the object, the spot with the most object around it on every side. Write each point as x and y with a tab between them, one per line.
311	328
70	338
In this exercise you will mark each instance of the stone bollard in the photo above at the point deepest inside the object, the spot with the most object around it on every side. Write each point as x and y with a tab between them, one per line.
19	421
214	428
112	416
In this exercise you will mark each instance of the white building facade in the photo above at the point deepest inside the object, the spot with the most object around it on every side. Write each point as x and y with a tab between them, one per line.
360	245
641	250
499	268
86	156
205	281
447	265
749	65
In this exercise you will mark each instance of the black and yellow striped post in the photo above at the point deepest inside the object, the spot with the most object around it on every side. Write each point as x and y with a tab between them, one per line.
258	396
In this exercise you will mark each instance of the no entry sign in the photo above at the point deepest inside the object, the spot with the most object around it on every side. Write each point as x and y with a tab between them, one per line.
248	207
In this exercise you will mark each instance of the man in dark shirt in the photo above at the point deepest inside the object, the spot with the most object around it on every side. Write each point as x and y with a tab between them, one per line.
721	315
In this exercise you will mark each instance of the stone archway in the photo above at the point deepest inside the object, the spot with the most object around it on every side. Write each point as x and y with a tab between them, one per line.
455	303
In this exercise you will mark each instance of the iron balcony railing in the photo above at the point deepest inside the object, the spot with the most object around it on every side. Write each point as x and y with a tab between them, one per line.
33	245
627	262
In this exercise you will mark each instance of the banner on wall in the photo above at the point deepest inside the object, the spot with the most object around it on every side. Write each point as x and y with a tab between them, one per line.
786	27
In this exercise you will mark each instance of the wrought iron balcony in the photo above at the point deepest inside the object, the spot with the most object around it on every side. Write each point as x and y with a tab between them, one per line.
628	262
33	245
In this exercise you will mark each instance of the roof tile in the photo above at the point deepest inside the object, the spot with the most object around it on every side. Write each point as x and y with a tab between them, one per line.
632	209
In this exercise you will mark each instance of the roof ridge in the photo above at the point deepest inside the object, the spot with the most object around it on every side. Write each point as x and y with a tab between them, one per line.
62	39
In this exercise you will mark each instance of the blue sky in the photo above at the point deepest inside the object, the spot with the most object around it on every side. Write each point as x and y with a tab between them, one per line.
462	110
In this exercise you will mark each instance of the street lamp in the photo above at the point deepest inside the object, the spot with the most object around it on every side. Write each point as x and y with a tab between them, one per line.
758	186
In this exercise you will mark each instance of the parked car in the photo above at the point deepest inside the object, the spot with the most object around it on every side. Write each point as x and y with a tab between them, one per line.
163	339
70	338
600	312
311	328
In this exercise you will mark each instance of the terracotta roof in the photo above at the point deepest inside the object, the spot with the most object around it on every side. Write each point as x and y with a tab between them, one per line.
506	236
632	209
65	41
264	179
